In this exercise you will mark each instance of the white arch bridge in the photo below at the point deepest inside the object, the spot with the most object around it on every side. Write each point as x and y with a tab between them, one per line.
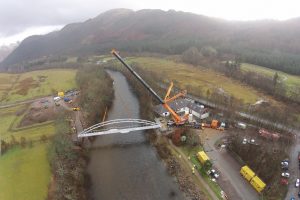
118	126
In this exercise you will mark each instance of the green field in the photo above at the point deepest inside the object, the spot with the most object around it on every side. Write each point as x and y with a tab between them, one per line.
34	84
290	80
8	116
187	75
25	174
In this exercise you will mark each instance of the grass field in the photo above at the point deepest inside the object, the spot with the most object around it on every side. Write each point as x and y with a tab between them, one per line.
34	84
289	80
24	173
6	82
199	77
8	117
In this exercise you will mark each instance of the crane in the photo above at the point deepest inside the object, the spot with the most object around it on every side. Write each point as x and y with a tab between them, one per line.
177	119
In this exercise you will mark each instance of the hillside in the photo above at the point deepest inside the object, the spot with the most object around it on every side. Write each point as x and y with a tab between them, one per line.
273	44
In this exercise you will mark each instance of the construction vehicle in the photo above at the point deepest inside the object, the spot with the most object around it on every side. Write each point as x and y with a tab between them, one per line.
76	109
61	94
202	157
254	180
247	173
257	183
215	125
177	119
66	99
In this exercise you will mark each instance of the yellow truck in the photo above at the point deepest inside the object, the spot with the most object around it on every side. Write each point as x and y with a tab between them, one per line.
257	183
202	157
247	173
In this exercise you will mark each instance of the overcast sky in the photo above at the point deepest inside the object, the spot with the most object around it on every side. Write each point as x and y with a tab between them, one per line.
22	18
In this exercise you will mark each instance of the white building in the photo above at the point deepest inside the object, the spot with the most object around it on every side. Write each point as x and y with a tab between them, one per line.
183	106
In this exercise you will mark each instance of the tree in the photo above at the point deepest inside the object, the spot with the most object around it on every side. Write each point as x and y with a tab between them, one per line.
275	79
192	56
13	141
23	142
209	51
43	138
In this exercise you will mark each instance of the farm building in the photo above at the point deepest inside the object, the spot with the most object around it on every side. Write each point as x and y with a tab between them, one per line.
183	106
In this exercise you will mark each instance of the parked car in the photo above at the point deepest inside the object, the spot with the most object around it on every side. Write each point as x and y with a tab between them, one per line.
284	181
297	182
285	174
213	173
286	160
284	163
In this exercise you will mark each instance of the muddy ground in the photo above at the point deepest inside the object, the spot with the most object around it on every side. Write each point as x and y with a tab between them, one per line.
44	110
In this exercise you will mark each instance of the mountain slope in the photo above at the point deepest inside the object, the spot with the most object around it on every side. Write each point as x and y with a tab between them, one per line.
272	43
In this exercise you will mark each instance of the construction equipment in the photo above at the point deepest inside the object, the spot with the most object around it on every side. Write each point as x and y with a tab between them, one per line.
177	119
76	109
61	94
254	180
258	184
247	173
202	157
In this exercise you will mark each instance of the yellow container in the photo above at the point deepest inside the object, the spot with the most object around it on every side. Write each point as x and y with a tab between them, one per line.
202	157
247	173
61	94
258	184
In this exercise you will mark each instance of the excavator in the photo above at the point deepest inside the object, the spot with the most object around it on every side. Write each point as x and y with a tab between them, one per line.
179	120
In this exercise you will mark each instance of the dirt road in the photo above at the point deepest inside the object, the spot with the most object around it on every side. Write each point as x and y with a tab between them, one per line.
230	179
21	102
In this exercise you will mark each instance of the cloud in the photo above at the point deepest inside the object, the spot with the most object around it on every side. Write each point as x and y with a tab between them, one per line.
18	37
16	16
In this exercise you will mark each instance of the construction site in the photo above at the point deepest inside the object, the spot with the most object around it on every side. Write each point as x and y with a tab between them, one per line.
231	157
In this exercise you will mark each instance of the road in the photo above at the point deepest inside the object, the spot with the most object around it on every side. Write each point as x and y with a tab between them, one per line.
294	169
21	102
230	179
241	114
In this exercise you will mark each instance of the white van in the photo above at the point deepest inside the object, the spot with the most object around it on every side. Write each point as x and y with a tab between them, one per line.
56	98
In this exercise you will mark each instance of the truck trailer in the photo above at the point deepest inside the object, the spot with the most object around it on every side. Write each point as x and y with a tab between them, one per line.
257	183
254	180
247	173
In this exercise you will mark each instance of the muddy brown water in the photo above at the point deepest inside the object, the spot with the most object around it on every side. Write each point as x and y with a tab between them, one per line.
126	166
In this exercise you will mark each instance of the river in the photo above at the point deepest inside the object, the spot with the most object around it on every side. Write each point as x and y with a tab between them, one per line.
126	166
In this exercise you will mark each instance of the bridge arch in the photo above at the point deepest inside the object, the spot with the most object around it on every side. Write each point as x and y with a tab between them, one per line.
118	126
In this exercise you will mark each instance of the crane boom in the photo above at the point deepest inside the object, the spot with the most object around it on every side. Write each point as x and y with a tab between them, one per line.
169	91
115	53
178	120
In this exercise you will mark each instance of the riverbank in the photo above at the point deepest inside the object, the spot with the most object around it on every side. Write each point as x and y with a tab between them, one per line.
179	169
